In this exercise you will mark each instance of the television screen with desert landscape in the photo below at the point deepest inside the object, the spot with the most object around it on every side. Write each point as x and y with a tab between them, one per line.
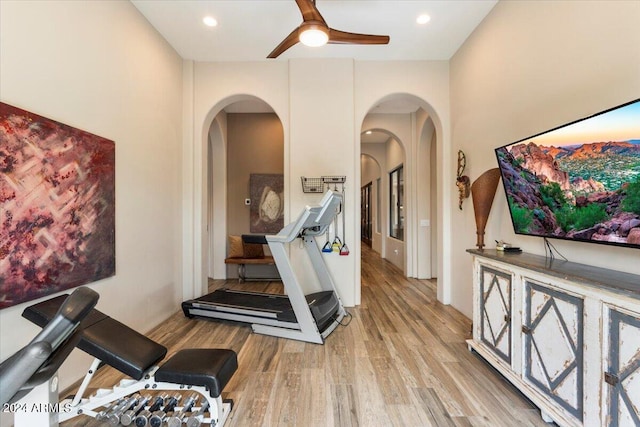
579	181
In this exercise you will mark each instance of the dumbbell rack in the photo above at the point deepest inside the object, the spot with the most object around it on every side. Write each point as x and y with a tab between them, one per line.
90	406
202	372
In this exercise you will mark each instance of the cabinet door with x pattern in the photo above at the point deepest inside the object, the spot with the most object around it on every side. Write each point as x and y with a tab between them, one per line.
622	376
553	345
495	309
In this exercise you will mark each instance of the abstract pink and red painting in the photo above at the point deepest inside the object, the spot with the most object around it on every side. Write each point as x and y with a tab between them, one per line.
57	199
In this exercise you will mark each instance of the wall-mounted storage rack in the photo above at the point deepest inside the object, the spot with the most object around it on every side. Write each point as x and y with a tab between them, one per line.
319	185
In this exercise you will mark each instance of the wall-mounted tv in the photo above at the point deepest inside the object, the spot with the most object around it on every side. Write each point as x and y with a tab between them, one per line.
579	181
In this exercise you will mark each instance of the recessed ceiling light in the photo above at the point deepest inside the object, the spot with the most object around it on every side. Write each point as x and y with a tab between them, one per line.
210	21
368	132
423	19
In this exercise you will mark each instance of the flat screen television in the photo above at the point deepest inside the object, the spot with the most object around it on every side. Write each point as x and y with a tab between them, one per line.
579	181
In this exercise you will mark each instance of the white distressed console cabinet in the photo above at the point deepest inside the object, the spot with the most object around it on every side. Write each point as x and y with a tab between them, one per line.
566	334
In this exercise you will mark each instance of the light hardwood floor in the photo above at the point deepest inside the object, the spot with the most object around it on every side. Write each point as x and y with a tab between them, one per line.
402	361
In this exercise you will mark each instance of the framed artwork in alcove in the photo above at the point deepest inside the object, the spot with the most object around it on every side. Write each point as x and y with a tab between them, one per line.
267	203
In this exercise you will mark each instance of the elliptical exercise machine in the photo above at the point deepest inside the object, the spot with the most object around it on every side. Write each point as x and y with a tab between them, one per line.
309	318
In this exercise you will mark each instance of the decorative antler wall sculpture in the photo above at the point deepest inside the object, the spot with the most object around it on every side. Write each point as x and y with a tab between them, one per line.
462	181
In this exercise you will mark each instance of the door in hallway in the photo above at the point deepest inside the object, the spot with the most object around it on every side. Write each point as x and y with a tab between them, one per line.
366	227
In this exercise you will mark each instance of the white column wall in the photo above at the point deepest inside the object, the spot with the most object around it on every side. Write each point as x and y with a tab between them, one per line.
319	102
529	67
423	195
322	142
101	67
379	153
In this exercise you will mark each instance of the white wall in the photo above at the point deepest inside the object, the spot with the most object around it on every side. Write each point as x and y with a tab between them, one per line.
529	67
322	142
395	151
217	196
369	174
370	170
321	104
425	193
396	156
378	152
100	67
434	187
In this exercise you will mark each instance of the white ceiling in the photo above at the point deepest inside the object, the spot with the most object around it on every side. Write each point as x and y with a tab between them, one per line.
248	30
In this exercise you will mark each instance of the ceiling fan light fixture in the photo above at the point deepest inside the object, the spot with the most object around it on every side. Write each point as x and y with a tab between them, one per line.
314	31
313	35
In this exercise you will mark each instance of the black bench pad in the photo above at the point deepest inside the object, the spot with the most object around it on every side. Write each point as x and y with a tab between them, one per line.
106	339
212	368
122	347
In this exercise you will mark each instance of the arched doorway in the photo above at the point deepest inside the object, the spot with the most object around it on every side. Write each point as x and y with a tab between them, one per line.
405	118
245	137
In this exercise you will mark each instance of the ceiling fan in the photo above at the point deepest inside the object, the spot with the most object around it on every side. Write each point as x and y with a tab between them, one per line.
314	31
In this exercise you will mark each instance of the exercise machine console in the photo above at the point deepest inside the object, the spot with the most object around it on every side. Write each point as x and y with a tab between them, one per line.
295	315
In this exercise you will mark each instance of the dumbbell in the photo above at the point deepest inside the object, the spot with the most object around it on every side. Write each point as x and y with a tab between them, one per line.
142	420
195	420
113	417
103	414
176	419
158	416
128	417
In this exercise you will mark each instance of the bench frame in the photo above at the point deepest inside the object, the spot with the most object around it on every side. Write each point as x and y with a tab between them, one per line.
79	405
140	370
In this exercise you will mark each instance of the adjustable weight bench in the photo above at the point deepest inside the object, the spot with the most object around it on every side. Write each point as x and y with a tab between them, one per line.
204	371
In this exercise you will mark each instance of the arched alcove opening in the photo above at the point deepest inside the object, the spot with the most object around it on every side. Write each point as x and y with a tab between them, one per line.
414	123
389	152
245	137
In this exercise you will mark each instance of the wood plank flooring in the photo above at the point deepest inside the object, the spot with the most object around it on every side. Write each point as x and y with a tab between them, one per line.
402	361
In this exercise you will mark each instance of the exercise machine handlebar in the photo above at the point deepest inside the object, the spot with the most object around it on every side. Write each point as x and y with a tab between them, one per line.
312	221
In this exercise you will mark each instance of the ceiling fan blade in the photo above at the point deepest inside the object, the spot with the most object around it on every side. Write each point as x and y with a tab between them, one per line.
343	37
309	11
285	44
